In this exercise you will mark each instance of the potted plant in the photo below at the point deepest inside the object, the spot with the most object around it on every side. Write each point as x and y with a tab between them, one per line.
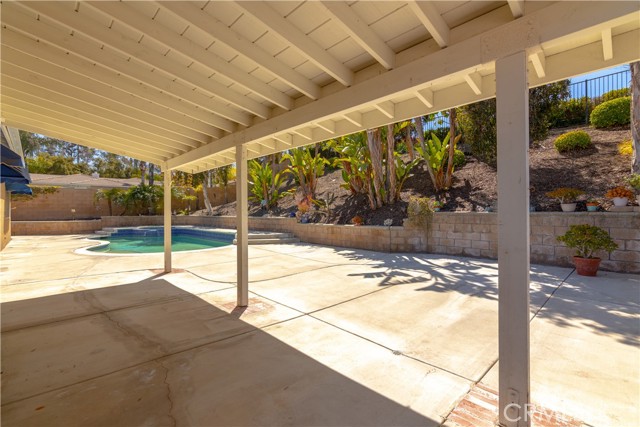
437	205
634	181
587	239
619	195
303	211
567	197
592	205
357	220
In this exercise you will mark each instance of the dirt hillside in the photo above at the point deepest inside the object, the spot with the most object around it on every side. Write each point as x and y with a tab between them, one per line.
593	171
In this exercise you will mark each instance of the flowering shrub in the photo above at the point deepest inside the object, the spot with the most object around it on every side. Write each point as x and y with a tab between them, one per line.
619	192
565	195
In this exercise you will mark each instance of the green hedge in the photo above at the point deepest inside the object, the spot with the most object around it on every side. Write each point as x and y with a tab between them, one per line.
615	94
570	141
570	112
616	112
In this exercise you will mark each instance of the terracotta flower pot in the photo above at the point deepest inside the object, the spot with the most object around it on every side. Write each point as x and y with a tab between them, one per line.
586	266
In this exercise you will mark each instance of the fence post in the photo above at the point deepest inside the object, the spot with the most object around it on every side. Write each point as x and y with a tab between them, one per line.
586	101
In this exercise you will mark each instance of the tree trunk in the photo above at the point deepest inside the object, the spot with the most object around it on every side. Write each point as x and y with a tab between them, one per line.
420	132
143	170
205	192
151	173
452	147
391	164
635	116
408	141
374	143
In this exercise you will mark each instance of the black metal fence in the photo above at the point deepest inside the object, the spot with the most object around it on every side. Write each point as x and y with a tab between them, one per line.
589	92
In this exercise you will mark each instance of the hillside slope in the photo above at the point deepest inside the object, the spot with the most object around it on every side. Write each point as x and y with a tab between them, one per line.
593	171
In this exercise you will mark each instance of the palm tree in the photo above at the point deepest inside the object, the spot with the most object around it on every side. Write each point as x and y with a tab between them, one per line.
111	195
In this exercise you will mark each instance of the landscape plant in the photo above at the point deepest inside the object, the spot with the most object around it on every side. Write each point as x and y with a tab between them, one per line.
565	194
435	154
478	121
625	148
113	196
634	182
616	112
265	185
141	199
587	239
620	192
569	112
420	211
573	141
305	168
615	94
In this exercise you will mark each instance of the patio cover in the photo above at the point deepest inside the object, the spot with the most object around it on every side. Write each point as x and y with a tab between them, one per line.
197	85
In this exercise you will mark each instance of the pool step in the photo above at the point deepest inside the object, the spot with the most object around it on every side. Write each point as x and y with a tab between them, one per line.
268	238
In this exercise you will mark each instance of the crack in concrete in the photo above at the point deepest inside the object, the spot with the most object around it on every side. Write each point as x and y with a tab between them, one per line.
133	334
166	383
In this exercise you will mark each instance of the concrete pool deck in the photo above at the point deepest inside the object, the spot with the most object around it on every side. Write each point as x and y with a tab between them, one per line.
334	337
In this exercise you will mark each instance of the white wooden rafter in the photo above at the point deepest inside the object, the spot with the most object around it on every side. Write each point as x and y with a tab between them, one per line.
204	22
291	35
153	29
117	41
429	16
352	24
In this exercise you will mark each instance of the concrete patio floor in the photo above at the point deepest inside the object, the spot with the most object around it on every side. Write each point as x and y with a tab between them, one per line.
332	337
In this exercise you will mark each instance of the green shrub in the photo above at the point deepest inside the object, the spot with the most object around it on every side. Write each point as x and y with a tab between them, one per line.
586	239
570	112
615	94
459	159
612	113
570	141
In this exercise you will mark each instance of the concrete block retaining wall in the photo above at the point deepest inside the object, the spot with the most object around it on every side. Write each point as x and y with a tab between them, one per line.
450	233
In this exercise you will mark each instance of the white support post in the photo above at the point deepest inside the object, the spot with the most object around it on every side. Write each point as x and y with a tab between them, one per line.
242	219
167	220
512	97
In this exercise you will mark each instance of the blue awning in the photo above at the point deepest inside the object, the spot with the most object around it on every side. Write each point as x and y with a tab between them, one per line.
13	169
18	188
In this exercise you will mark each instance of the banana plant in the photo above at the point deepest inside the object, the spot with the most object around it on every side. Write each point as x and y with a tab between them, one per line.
403	170
265	185
435	154
305	168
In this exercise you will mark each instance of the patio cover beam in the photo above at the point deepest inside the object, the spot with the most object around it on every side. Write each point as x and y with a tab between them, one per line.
167	219
242	226
542	26
512	103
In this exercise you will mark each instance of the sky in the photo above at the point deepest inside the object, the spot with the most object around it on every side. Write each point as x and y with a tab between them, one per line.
600	73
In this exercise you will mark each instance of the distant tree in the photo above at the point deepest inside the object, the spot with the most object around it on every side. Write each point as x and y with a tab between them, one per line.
55	165
109	165
222	176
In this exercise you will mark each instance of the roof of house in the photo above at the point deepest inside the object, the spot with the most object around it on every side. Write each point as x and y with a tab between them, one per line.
80	180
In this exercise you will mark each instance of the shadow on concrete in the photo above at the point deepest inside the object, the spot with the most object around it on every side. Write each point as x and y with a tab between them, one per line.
609	312
149	353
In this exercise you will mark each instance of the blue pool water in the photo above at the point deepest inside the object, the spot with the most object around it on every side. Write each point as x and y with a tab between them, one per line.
144	240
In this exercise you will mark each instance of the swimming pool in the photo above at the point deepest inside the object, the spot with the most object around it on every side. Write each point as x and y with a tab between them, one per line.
145	240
